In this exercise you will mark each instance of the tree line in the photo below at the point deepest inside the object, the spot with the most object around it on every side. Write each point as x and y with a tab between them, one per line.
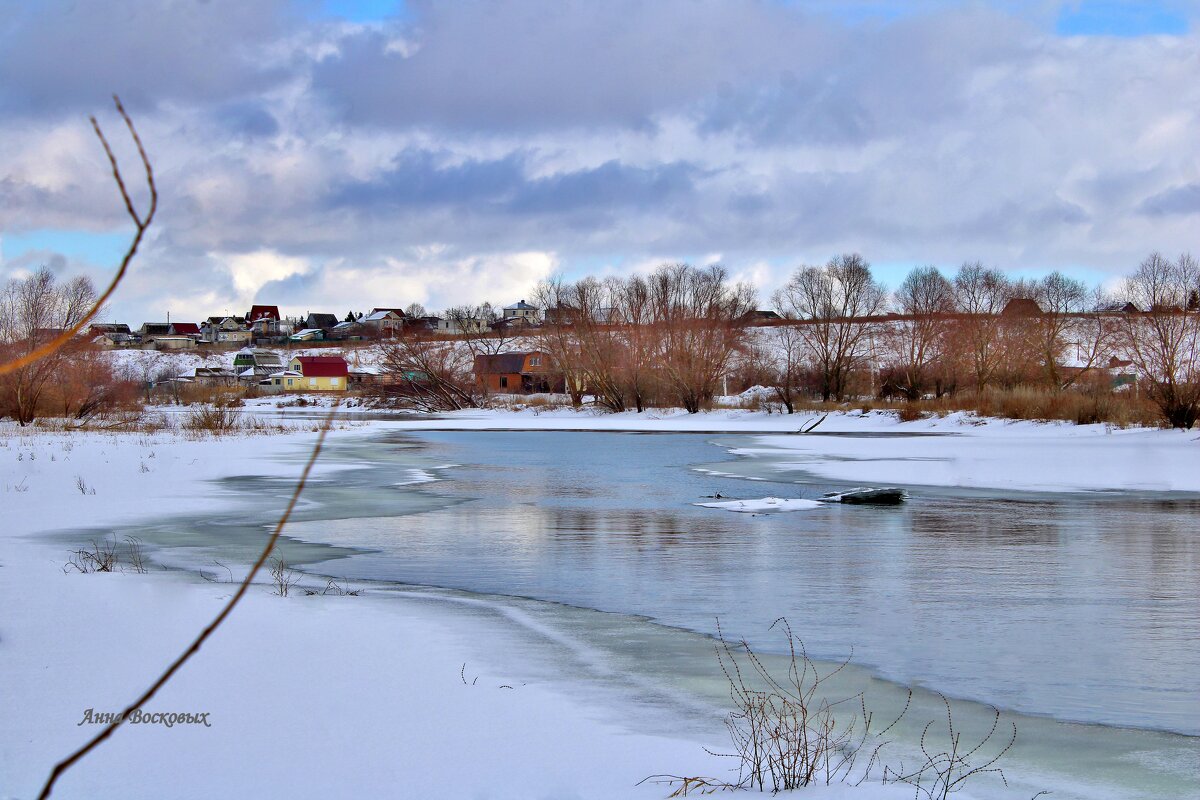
682	335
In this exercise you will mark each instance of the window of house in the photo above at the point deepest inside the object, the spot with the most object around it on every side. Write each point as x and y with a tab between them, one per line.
535	361
312	382
289	381
503	381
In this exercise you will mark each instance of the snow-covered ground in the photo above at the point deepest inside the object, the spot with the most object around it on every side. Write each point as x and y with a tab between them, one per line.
306	696
765	505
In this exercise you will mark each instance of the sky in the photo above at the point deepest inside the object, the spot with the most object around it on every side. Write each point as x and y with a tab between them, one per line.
329	155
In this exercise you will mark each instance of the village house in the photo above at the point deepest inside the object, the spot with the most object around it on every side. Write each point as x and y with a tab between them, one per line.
257	313
188	329
521	310
313	374
160	336
111	335
524	373
154	329
168	342
345	331
213	376
266	324
383	323
324	322
225	331
254	364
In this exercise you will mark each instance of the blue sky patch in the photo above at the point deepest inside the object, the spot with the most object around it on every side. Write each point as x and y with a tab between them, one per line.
101	249
363	10
1121	18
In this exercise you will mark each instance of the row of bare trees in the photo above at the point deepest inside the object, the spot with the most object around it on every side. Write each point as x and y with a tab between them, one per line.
978	330
676	336
667	338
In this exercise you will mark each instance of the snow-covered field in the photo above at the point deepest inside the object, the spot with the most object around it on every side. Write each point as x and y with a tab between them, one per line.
344	696
307	696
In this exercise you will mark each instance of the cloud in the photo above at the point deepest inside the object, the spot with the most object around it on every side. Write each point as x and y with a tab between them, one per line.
1176	200
464	150
56	55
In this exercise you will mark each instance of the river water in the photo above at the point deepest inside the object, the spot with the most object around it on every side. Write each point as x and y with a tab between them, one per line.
1078	615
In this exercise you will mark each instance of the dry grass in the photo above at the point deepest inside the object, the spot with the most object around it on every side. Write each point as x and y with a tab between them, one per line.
1082	407
787	735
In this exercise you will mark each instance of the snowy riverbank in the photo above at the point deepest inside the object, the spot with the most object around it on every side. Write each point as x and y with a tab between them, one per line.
307	696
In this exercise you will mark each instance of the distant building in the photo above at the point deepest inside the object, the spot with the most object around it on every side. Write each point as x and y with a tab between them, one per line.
516	373
254	364
225	330
154	329
168	342
185	329
383	323
521	310
313	374
325	322
263	312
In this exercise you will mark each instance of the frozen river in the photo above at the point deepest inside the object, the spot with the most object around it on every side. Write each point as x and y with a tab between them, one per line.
1077	613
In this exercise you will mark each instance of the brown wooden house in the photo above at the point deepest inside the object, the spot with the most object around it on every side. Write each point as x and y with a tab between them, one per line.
516	373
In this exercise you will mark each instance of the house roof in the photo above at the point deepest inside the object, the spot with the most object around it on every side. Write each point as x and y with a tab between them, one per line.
1022	307
322	366
382	314
321	320
263	312
109	327
502	363
399	312
185	328
520	305
156	328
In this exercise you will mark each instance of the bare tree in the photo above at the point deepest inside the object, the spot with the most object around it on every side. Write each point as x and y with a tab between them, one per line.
1164	341
1062	333
980	294
632	308
473	324
699	321
917	344
790	358
34	310
831	305
429	374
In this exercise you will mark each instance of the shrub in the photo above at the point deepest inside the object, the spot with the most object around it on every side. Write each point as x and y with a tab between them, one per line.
215	420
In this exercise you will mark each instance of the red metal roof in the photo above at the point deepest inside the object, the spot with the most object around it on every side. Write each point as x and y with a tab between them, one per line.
185	328
263	312
323	366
